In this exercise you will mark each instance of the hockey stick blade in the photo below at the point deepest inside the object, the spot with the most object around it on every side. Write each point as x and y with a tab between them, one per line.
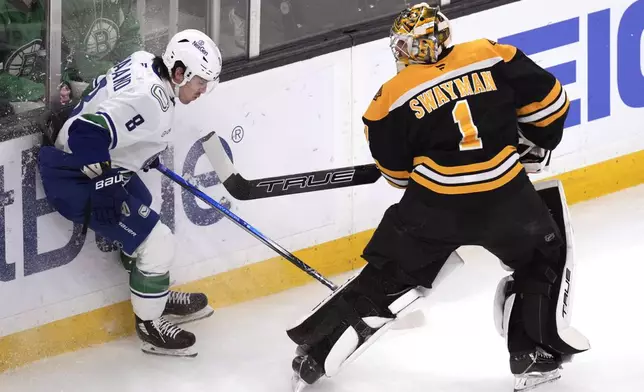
243	189
291	184
247	227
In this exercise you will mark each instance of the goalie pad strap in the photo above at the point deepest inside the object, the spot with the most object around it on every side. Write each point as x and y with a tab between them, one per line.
529	287
355	321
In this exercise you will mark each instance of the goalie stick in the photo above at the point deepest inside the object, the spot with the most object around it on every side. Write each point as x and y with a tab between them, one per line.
413	320
243	189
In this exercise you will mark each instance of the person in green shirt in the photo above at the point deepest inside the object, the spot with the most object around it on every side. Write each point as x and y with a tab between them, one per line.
22	54
96	35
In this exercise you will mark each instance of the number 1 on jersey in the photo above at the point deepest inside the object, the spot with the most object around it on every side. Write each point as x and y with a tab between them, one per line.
463	117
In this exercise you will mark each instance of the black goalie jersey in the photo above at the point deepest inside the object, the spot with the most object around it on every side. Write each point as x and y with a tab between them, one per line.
449	130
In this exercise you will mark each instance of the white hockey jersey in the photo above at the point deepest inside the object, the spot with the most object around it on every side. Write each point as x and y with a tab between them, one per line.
136	105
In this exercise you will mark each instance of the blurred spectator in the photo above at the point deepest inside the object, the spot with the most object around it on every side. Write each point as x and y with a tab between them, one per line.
275	26
22	54
156	24
233	21
96	35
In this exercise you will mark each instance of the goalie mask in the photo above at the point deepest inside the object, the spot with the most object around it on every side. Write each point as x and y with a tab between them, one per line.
419	35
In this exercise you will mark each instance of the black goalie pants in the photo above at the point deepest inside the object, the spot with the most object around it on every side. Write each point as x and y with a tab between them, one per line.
415	239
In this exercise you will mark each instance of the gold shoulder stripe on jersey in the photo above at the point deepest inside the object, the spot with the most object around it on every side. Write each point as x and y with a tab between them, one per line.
549	120
534	107
506	51
549	114
468	58
464	58
379	106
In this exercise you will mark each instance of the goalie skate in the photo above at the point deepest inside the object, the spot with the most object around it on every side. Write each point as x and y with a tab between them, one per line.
534	368
306	370
298	384
531	381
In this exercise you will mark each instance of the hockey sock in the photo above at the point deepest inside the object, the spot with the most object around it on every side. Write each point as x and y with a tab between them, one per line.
149	293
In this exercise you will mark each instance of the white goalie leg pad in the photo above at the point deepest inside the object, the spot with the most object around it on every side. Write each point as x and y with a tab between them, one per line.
503	307
504	301
346	349
568	334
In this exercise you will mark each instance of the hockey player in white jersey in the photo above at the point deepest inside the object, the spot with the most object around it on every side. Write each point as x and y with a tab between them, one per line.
89	175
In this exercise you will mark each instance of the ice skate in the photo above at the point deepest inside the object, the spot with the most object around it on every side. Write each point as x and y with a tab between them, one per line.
531	381
161	337
185	307
533	369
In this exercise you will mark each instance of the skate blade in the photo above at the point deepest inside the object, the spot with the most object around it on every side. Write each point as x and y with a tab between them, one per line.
186	352
415	319
530	382
297	383
201	314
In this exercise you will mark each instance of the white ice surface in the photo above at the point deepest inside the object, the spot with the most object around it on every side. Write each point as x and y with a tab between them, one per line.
244	348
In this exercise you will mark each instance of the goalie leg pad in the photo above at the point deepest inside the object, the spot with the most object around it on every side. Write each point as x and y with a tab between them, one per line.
344	325
543	292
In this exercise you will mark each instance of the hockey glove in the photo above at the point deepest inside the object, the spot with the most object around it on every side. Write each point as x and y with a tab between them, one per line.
108	196
534	158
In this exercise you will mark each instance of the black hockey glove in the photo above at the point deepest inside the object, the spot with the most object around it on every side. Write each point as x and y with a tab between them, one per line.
108	196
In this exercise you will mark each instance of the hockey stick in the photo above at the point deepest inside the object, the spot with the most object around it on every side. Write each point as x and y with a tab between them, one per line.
250	229
243	189
413	320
